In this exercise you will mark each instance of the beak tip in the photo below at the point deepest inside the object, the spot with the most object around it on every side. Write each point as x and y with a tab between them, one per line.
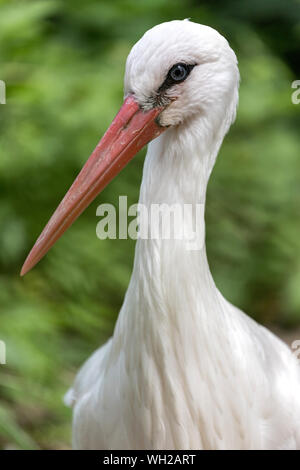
26	267
23	270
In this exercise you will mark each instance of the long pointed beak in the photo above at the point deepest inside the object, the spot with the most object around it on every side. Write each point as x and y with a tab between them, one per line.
131	130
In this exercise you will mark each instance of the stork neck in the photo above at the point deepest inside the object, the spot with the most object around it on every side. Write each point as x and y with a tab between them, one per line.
171	287
176	171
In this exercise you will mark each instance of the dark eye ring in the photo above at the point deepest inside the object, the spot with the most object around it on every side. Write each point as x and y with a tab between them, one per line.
179	72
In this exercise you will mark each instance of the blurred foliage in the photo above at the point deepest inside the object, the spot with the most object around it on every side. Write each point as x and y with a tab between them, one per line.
63	64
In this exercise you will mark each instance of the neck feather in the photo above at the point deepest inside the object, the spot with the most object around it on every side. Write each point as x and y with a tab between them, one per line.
168	278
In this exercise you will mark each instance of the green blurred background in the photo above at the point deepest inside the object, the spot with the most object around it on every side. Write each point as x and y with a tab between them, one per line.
63	63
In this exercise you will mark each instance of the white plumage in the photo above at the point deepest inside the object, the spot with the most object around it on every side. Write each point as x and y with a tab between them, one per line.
184	368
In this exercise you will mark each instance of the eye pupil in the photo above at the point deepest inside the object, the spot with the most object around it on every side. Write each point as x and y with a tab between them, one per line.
178	72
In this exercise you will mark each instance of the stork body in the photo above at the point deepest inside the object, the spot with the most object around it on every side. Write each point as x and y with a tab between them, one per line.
184	368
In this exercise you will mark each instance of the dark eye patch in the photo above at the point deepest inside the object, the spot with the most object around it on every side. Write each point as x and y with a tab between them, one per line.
177	74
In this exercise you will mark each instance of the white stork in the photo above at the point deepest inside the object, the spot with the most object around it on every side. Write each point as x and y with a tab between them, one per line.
184	368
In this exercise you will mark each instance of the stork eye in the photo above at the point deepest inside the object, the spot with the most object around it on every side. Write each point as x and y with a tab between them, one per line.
179	72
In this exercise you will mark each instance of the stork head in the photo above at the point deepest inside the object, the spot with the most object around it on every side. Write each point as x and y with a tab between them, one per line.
177	71
187	68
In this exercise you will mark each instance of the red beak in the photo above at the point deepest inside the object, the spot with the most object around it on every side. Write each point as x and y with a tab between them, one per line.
131	130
